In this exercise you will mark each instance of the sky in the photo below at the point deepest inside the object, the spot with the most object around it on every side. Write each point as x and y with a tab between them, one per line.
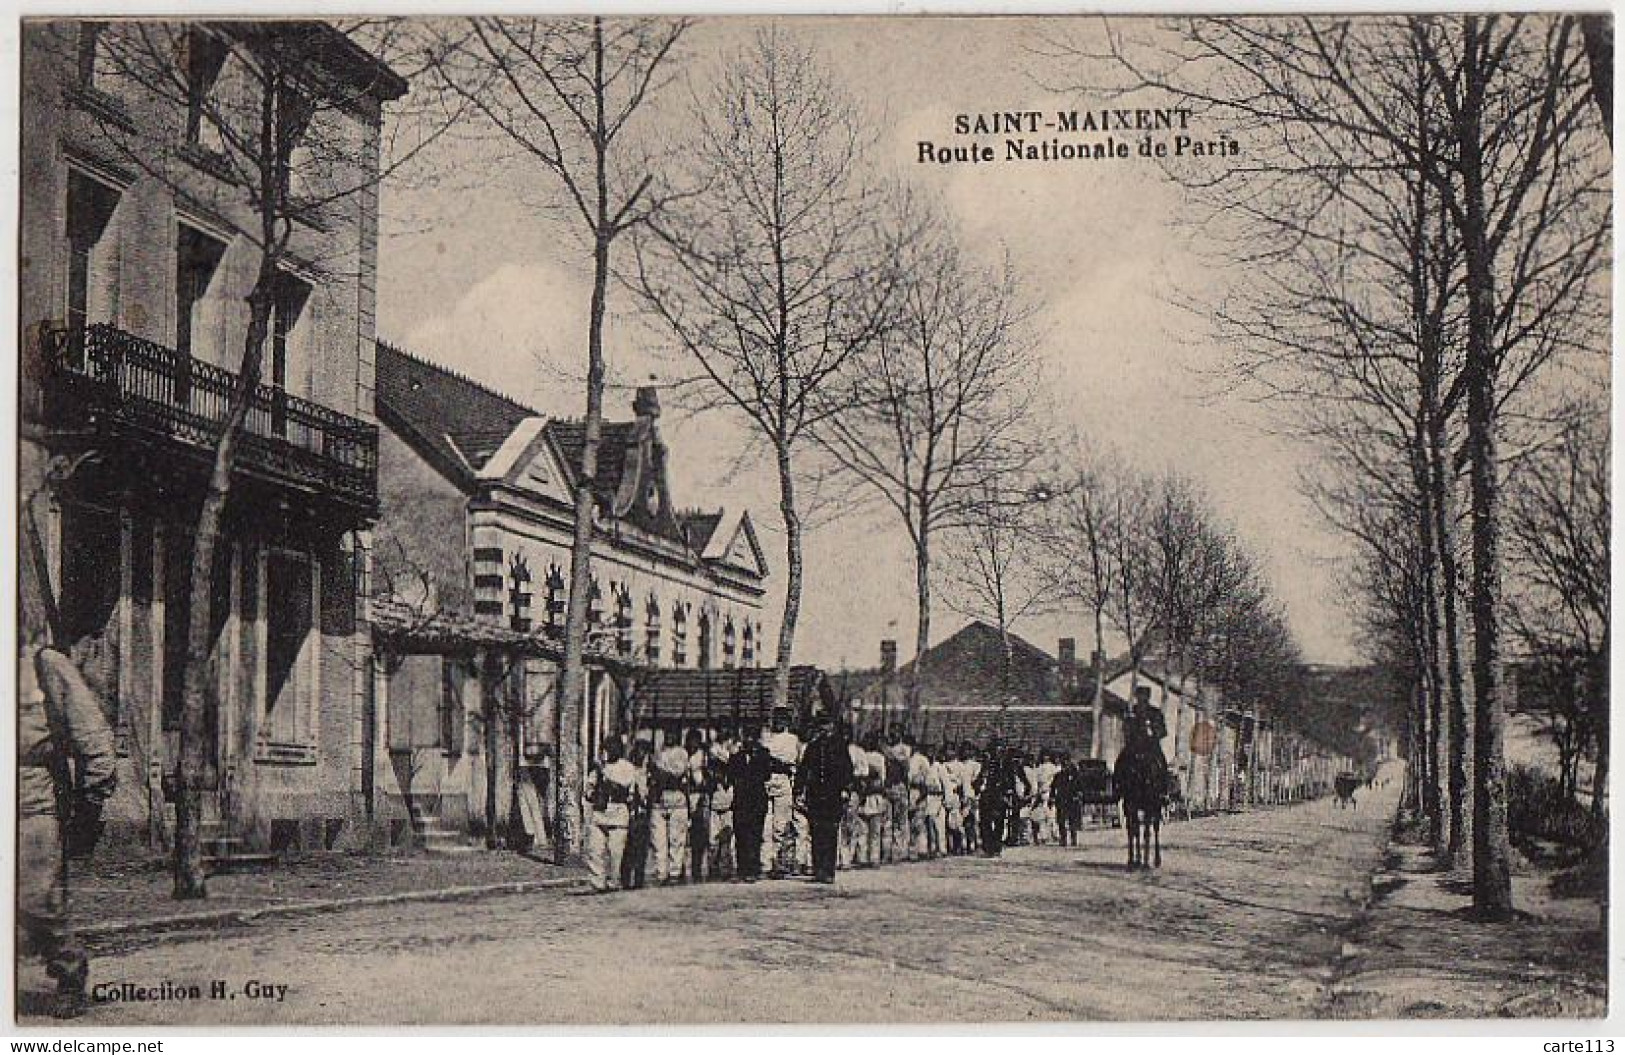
477	275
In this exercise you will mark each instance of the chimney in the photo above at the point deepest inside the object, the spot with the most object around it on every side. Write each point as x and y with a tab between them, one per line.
646	405
888	655
1066	652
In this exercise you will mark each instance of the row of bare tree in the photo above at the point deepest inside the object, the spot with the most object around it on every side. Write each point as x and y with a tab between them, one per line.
1421	226
1147	560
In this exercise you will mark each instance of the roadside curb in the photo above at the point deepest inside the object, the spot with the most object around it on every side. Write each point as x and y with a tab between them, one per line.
237	917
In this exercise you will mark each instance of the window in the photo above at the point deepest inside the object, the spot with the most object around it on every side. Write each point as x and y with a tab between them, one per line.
623	621
651	631
679	635
90	572
595	607
205	58
197	262
728	643
748	655
295	158
290	648
518	594
555	598
92	252
286	332
454	673
704	657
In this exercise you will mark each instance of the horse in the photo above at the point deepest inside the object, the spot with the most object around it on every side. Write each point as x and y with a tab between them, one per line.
1140	781
1344	788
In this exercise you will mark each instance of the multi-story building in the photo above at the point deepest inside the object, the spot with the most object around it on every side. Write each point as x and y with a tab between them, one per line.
137	257
472	556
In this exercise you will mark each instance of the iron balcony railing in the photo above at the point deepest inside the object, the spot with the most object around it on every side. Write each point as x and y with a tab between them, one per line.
112	374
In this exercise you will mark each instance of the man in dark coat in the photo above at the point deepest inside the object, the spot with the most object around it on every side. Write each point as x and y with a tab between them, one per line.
821	782
748	772
1002	783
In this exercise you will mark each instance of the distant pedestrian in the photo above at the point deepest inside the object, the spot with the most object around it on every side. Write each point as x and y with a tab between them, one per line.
749	771
784	749
612	788
699	805
668	812
852	821
821	784
635	862
970	772
1066	802
952	807
898	752
874	812
720	830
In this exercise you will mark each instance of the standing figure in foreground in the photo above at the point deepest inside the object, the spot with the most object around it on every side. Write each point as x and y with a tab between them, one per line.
613	787
784	748
749	771
821	783
65	772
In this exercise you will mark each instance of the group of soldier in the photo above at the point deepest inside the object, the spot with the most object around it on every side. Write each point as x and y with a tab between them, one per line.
751	803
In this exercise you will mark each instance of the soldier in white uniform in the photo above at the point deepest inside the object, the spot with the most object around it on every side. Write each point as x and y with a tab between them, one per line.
784	750
852	823
614	785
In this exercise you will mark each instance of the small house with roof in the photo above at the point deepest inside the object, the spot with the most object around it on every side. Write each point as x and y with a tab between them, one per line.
476	529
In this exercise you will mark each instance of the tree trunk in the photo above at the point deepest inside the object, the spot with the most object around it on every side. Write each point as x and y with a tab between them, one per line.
922	624
1097	705
489	715
1459	737
1435	806
1598	32
567	840
197	684
792	587
1492	875
1598	702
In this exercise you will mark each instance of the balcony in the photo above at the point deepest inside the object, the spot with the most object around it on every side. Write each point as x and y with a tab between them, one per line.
109	380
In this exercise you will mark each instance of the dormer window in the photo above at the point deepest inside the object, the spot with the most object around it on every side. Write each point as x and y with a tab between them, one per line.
92	55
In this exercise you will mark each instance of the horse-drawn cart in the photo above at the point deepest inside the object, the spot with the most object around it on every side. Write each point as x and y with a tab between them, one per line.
1095	791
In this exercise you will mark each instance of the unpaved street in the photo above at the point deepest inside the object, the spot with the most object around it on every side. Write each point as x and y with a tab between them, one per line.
1245	920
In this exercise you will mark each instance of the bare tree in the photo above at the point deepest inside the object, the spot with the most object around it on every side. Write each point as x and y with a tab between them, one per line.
269	114
935	418
1558	517
773	276
994	568
1084	530
1504	140
568	93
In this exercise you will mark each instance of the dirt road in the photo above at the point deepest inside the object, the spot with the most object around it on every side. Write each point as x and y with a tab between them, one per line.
1244	920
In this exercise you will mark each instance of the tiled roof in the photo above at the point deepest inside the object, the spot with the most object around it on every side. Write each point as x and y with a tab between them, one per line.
737	695
698	527
969	667
457	423
614	438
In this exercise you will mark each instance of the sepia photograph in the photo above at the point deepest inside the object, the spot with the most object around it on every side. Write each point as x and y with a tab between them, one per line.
657	522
